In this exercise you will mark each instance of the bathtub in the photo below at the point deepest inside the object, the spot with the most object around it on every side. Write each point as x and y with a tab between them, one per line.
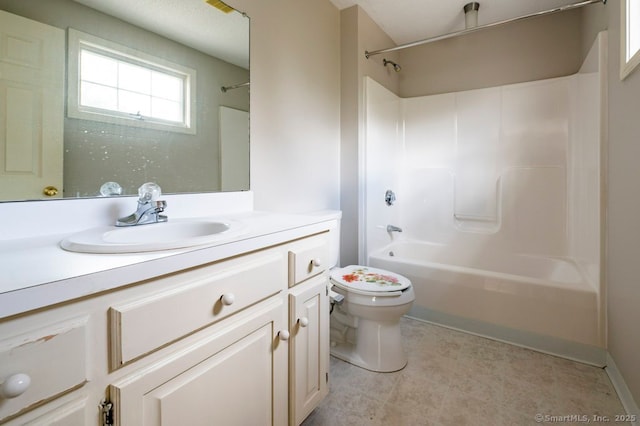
540	302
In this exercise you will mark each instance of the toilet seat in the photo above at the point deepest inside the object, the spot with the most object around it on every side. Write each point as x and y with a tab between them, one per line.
366	280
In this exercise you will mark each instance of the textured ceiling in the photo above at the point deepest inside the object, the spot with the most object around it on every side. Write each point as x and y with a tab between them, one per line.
406	21
190	22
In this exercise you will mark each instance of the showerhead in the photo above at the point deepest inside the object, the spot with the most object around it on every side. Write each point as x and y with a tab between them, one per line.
395	66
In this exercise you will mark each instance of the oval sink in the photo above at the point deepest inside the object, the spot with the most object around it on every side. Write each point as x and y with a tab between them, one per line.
152	237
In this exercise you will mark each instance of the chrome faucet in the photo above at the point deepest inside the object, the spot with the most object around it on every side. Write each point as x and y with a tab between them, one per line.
149	208
391	228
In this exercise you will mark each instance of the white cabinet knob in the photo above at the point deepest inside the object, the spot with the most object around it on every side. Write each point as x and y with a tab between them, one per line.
228	299
304	321
316	262
284	335
15	385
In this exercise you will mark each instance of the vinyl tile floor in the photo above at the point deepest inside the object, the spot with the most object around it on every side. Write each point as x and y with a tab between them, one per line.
455	378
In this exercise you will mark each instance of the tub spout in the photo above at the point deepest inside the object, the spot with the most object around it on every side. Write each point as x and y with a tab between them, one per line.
391	228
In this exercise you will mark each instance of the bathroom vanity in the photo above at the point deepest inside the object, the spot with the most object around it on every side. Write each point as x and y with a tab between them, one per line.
233	333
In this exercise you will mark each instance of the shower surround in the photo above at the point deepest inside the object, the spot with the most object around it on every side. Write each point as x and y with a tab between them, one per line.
499	196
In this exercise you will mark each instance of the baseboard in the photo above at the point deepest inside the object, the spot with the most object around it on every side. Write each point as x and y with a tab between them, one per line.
574	351
622	390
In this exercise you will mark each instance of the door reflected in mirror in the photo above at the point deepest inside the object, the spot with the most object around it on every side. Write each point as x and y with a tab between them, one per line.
125	92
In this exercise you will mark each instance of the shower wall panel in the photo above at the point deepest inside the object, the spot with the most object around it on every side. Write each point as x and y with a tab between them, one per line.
383	158
512	168
487	167
584	173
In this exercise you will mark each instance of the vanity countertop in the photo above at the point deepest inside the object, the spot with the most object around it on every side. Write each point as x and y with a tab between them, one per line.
37	273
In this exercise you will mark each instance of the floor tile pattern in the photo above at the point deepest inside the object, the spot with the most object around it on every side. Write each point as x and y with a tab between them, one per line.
455	378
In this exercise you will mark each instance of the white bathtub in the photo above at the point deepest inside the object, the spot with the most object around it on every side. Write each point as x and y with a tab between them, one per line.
503	295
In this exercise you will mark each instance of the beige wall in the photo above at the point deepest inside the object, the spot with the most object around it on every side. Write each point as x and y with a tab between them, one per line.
533	49
622	206
349	110
593	20
358	34
295	104
623	209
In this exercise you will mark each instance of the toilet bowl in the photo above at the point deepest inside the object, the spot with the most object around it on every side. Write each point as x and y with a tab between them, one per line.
365	327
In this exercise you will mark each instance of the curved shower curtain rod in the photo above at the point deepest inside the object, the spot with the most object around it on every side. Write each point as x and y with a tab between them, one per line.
367	54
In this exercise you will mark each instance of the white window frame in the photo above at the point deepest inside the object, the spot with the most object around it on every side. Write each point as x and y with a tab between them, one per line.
627	64
79	40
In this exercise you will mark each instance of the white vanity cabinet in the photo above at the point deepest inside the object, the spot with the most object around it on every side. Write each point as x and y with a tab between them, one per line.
237	341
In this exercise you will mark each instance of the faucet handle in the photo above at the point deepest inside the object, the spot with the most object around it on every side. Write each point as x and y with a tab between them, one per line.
389	197
149	191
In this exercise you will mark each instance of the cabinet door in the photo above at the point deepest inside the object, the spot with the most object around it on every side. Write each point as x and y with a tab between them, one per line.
235	375
309	347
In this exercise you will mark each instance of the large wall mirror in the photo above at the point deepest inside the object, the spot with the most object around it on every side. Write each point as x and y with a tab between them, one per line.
98	97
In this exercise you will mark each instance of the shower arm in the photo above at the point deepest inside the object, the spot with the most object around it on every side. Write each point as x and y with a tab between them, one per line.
367	54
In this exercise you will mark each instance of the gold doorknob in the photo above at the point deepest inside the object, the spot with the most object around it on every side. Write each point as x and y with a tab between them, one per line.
50	191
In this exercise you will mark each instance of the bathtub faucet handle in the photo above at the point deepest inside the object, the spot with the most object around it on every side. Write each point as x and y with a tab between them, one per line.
391	228
389	197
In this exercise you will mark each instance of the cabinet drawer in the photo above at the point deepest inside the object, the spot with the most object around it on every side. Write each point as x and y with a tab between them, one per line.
54	358
193	300
308	258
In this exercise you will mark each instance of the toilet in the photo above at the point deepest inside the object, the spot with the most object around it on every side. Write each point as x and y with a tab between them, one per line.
366	306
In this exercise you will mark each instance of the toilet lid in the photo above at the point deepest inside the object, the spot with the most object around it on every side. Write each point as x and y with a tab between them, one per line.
366	278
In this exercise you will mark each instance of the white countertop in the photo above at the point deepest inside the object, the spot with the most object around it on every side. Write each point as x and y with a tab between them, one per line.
35	272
